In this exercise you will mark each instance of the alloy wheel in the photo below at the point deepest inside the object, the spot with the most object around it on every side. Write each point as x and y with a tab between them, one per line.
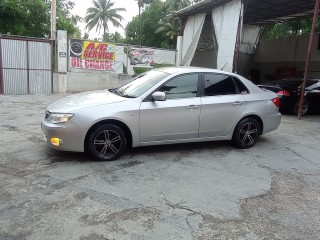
107	143
248	133
305	107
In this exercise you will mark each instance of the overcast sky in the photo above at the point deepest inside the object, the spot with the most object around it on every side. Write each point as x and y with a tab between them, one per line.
81	9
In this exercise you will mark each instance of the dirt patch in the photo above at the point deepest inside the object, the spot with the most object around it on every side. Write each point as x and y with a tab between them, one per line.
290	210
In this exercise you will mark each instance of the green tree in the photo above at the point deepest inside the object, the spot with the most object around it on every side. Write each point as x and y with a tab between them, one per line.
117	38
32	18
169	29
141	4
101	14
175	5
150	22
67	21
27	18
290	28
132	31
106	37
113	37
85	36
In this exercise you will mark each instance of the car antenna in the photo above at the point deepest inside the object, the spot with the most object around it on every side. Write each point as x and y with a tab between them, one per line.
224	66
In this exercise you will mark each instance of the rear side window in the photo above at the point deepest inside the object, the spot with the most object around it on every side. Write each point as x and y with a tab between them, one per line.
241	87
218	84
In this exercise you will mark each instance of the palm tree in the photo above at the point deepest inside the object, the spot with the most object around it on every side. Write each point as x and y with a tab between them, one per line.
101	14
170	29
174	5
141	4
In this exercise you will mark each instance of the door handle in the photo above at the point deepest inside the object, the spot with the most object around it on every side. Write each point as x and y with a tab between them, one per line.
192	107
237	103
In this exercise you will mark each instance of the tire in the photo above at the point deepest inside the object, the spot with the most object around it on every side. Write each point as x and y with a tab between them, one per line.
305	107
246	133
106	142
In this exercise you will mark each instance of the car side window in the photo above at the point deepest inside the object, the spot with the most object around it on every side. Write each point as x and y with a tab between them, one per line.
241	87
184	86
218	84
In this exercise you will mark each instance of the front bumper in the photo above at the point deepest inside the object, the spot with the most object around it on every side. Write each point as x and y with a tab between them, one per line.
71	136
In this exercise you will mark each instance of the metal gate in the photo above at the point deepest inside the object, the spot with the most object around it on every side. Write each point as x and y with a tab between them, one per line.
25	66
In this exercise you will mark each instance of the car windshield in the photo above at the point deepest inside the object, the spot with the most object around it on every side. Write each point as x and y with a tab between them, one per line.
140	84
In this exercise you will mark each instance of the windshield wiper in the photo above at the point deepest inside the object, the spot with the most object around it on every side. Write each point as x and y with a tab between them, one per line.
127	96
115	91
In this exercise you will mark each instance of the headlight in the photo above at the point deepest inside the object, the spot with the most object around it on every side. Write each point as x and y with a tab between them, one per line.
59	117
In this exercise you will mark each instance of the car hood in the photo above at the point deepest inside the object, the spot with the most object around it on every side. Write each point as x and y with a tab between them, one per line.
84	100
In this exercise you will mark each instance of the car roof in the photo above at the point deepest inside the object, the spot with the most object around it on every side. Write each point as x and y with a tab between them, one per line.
172	70
181	70
295	80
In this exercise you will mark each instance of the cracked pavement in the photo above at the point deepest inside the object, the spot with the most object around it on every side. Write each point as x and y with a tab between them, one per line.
189	191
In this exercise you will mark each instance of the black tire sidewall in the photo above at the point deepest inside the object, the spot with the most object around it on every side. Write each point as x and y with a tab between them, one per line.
296	107
236	135
98	130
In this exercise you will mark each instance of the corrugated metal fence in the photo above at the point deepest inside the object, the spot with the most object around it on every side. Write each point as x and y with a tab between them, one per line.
25	66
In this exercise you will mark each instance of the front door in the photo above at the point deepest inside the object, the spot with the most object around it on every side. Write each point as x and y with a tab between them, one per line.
177	117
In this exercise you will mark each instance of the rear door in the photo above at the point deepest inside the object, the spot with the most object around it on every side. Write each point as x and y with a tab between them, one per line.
222	104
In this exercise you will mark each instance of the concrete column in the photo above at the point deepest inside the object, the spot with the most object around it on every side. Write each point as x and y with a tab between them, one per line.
62	55
179	50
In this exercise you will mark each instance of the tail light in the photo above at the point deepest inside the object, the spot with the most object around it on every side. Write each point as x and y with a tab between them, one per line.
276	101
283	93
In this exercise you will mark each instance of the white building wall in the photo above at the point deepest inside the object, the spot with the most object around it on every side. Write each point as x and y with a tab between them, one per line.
89	81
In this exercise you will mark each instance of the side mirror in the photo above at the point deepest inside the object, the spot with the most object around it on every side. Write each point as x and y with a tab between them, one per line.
159	96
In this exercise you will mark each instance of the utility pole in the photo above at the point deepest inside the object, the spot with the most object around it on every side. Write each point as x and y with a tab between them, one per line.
53	19
315	17
140	26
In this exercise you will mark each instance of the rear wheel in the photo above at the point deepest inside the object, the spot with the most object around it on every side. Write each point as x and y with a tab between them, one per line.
305	107
106	142
246	133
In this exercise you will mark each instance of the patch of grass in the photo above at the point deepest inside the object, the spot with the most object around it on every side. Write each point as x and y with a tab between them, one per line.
162	65
139	70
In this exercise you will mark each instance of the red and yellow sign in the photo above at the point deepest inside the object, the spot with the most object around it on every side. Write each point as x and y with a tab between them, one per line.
98	51
92	55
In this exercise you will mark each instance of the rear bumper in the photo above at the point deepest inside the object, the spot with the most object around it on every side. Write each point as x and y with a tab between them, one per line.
71	136
271	122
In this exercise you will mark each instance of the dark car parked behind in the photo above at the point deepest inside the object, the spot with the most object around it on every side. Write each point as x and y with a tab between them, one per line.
289	91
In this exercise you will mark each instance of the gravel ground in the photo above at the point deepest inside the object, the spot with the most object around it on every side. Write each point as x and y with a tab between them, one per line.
188	191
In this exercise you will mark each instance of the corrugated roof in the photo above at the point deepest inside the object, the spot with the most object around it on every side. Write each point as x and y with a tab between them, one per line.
258	12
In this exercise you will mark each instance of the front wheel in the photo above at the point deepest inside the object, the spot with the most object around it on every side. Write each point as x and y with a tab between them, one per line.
106	142
246	133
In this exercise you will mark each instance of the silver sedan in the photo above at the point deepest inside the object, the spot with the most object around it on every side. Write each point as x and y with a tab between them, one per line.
163	106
